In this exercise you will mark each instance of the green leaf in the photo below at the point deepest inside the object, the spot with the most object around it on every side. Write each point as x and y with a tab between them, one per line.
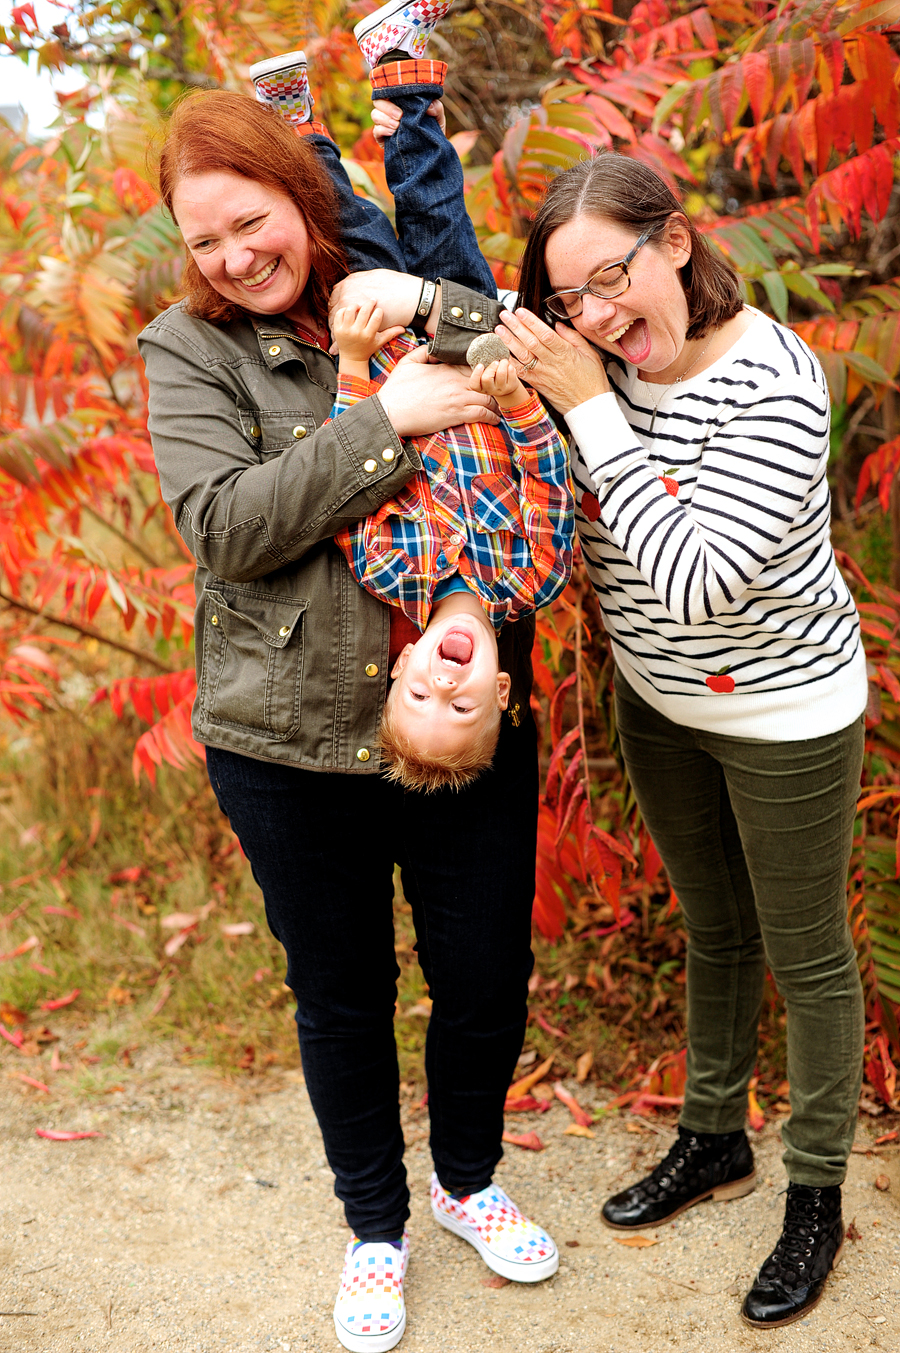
669	102
777	293
871	371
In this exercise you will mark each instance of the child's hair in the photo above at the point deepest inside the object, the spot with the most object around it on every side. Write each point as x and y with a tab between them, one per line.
220	129
406	765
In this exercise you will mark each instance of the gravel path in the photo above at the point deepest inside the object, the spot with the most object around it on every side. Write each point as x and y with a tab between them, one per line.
204	1219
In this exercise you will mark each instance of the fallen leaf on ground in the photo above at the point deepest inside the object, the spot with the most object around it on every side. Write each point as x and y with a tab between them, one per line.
31	943
178	920
53	1136
56	1064
129	925
572	1244
580	1115
852	1232
72	914
635	1242
548	1028
583	1066
248	1058
495	1281
887	1137
129	875
238	928
17	1038
11	1014
29	1080
754	1112
527	1104
578	1130
521	1087
529	1141
62	1000
174	944
164	993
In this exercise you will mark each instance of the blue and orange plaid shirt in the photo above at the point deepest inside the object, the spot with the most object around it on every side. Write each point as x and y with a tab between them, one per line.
492	504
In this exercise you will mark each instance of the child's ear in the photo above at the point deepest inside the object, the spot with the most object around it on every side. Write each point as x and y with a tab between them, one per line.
402	660
503	689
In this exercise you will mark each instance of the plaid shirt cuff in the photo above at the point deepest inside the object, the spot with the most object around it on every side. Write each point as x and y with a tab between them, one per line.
526	415
351	389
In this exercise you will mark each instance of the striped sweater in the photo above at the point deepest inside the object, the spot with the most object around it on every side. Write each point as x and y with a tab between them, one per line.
703	512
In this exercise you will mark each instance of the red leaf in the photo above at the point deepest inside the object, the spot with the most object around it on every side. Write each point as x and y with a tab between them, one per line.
51	1135
62	1001
580	1115
529	1141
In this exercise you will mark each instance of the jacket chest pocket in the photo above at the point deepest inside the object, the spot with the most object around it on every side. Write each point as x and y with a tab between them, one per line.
273	431
252	660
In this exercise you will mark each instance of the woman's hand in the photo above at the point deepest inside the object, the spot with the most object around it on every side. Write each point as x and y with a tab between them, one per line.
421	397
386	117
396	293
560	364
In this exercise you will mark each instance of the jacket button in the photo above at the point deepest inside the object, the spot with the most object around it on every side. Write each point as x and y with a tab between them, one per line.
370	466
299	431
363	754
456	312
285	629
274	350
214	620
371	669
255	431
388	453
475	315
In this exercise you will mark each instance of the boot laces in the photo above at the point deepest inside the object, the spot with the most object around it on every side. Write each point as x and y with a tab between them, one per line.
674	1162
791	1260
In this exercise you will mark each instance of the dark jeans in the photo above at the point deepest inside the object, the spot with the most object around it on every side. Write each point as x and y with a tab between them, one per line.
436	237
756	838
323	848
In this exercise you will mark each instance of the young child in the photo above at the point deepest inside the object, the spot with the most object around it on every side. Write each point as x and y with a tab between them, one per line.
483	532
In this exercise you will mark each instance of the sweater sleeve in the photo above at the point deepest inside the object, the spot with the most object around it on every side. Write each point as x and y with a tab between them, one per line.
757	464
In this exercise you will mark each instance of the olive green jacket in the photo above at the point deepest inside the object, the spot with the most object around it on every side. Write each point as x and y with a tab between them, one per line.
291	653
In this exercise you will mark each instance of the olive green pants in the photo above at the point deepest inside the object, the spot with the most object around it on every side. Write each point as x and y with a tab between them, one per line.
756	838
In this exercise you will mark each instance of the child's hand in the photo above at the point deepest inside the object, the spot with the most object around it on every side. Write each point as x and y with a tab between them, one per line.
386	118
357	333
501	380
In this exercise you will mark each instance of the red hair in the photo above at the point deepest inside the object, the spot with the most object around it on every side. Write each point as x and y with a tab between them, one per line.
218	129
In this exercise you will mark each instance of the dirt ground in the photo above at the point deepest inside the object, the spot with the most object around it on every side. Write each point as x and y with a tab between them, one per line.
204	1219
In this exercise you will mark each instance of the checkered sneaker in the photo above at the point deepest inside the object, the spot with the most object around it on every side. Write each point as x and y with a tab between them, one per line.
283	84
507	1241
369	1314
404	24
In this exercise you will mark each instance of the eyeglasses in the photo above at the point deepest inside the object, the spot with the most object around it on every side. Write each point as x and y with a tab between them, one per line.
605	284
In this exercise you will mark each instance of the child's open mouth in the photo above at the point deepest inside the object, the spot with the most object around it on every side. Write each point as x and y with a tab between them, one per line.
456	648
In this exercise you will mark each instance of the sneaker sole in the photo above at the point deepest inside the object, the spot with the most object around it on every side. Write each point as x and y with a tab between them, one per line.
797	1315
373	21
516	1273
370	1343
288	61
723	1193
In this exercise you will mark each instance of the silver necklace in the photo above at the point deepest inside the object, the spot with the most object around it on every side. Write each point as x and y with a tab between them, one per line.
677	381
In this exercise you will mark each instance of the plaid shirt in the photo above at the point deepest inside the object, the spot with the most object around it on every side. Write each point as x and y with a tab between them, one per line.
492	503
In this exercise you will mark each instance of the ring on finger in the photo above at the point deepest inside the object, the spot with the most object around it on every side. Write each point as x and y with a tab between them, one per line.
529	366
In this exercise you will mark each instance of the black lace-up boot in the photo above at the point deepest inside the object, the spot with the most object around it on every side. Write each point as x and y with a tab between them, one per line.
791	1280
700	1165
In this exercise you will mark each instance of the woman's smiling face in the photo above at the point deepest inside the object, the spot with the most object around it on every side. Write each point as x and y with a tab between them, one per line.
249	241
646	324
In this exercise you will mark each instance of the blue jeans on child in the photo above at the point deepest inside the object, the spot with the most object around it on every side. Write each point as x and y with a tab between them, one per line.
436	237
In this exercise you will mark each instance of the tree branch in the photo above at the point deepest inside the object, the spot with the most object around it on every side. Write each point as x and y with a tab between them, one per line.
89	631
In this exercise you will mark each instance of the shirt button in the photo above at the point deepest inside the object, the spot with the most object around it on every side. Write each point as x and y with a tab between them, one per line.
456	312
475	315
299	431
214	620
371	669
457	538
370	466
274	350
363	754
285	629
255	431
388	453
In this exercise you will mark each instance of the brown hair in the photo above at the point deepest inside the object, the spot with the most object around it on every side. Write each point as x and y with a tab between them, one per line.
619	189
221	130
413	768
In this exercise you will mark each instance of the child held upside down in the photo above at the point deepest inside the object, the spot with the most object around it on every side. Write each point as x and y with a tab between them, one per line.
482	534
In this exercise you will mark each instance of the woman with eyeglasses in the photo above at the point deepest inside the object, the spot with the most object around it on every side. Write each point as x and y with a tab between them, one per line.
699	455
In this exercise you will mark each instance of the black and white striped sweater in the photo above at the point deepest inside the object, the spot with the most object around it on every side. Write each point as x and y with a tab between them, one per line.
706	533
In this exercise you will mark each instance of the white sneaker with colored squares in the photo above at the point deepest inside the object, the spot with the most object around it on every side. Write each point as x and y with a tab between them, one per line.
507	1241
369	1314
404	24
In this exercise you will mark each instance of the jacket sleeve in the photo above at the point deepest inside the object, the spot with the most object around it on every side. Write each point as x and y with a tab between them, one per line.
463	316
240	517
545	496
